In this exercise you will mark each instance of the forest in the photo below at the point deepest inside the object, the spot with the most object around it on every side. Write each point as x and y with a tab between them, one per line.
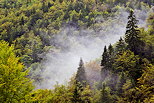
76	51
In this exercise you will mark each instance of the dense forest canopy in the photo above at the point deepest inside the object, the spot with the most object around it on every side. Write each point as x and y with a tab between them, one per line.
29	37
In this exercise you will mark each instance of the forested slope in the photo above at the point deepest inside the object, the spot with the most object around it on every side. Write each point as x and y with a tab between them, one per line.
28	31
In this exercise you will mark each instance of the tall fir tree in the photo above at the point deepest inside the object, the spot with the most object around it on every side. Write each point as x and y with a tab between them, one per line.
81	75
105	57
110	57
110	49
104	63
132	33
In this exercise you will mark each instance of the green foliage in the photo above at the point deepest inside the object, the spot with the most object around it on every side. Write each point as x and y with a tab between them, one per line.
120	46
110	49
30	25
35	73
61	94
29	46
76	93
14	85
105	57
111	58
150	21
144	90
81	75
121	82
105	95
132	33
128	62
104	62
72	93
41	96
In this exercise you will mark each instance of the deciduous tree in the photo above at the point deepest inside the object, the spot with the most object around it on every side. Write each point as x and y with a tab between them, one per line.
14	85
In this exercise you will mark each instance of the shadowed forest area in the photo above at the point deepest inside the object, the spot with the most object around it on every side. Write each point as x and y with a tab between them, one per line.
76	51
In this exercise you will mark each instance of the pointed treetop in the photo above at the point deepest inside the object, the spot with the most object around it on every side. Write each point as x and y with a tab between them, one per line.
120	39
110	45
104	57
132	21
132	37
110	49
81	75
105	50
121	46
81	63
131	14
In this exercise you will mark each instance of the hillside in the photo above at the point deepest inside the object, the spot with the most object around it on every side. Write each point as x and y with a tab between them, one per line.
73	51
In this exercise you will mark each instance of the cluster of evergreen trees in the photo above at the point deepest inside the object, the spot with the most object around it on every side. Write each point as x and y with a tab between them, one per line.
124	69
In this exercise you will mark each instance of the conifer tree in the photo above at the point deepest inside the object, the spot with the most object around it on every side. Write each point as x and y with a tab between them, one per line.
110	57
132	33
22	21
104	62
81	75
110	49
120	47
77	92
121	83
105	57
105	95
143	92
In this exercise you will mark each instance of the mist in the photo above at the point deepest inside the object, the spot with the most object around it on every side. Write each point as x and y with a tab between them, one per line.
71	44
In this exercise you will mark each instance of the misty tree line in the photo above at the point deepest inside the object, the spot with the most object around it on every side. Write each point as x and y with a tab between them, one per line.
123	68
31	24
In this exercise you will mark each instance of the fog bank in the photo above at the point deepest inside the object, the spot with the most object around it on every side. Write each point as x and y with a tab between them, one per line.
70	44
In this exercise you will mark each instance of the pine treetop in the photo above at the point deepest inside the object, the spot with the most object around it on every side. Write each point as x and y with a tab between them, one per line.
81	64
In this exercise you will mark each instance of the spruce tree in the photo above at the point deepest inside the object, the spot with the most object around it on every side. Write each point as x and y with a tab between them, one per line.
105	57
77	92
132	33
81	75
110	57
121	83
121	46
110	49
105	95
104	63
